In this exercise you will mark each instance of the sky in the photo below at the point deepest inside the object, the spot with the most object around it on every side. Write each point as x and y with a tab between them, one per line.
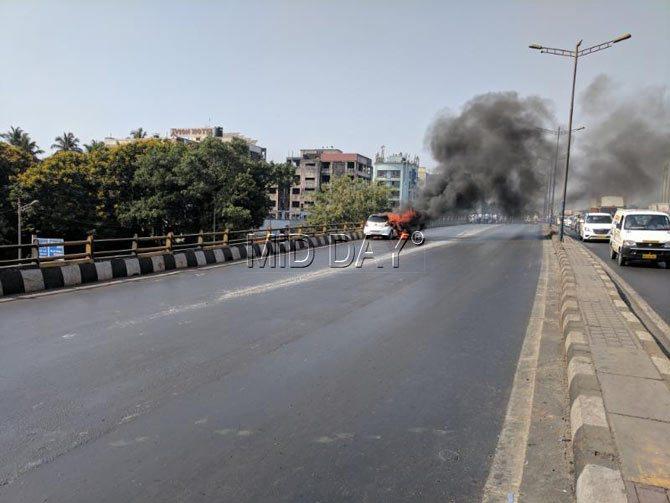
305	73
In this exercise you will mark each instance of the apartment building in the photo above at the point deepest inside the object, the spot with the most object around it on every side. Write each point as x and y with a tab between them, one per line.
314	168
400	173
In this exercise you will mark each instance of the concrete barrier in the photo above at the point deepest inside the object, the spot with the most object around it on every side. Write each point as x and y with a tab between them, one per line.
597	474
21	281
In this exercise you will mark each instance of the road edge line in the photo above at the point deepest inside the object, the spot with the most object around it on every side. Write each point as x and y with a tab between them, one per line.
506	471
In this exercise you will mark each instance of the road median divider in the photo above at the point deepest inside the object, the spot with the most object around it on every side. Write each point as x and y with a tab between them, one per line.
615	374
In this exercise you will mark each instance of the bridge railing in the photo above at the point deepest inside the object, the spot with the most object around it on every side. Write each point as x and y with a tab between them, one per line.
92	248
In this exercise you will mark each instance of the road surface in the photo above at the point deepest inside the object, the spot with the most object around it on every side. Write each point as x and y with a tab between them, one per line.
235	384
651	281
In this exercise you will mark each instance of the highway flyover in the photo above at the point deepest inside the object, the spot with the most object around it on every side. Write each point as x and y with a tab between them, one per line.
230	383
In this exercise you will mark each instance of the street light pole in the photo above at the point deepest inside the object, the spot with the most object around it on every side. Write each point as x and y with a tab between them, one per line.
19	210
553	176
567	155
575	55
18	225
552	190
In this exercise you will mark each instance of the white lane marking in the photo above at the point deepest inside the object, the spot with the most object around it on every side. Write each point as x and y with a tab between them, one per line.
69	336
283	283
506	470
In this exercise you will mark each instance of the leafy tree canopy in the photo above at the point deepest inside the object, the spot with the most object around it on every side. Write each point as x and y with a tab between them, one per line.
13	160
346	199
66	191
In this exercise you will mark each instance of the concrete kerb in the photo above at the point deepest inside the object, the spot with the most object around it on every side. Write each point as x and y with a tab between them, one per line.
22	281
597	474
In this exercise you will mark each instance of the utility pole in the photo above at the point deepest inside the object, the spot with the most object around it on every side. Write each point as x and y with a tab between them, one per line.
567	155
575	56
558	132
19	221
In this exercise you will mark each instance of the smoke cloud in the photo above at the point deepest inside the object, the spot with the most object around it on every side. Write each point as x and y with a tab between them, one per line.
489	154
625	147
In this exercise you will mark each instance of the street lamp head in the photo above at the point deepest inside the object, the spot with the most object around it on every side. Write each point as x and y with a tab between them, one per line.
623	37
535	46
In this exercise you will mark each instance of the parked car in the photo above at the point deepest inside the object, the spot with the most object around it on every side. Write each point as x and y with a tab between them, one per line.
640	235
378	225
594	226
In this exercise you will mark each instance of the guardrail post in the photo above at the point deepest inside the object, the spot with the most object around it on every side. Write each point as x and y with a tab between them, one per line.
225	236
201	238
169	240
323	229
89	246
133	246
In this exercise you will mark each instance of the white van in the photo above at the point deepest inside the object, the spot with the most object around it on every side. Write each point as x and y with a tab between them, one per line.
640	235
594	226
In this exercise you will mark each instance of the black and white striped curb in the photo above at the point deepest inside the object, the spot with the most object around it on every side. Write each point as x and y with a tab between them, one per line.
596	461
20	281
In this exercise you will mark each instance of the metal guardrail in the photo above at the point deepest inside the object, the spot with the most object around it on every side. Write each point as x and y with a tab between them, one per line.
92	249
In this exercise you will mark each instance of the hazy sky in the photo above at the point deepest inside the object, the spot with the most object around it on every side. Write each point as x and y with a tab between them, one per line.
297	74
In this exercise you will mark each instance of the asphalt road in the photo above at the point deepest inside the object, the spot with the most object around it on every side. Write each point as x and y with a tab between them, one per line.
651	281
237	384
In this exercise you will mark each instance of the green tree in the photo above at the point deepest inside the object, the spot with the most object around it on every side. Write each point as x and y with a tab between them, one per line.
158	203
138	133
346	199
93	146
19	138
223	183
115	169
68	142
13	161
65	187
282	178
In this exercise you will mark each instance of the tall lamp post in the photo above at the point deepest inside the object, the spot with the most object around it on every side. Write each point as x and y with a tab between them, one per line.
558	132
20	208
575	55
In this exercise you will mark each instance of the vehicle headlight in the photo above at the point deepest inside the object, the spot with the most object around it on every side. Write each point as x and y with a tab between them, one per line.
629	243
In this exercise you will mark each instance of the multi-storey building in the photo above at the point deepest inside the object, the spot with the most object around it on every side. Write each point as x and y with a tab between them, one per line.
196	135
313	169
400	173
200	133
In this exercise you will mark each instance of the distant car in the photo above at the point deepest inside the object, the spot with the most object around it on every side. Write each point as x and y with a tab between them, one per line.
594	226
378	225
568	222
640	235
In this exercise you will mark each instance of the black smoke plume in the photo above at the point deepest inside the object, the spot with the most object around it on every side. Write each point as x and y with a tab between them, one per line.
625	147
489	154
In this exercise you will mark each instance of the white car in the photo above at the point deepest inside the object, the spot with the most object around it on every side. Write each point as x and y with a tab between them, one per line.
595	226
640	235
378	225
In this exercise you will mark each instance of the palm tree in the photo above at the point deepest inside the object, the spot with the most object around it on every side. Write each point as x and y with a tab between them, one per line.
13	136
94	145
66	143
19	138
138	133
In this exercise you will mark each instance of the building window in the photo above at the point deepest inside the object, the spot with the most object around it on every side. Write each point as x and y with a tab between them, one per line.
350	166
272	190
295	190
295	204
296	180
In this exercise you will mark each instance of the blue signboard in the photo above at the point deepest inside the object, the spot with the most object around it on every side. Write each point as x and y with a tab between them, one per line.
51	251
